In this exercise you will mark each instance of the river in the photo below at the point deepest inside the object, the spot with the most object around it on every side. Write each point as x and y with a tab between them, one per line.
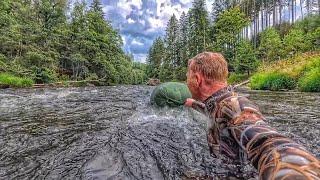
114	133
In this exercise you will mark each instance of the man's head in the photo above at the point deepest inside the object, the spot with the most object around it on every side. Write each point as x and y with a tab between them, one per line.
207	72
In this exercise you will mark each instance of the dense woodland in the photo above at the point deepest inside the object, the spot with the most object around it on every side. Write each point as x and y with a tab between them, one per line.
248	33
48	41
60	40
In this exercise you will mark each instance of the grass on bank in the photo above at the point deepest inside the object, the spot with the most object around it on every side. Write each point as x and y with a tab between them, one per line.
235	78
310	82
301	72
9	80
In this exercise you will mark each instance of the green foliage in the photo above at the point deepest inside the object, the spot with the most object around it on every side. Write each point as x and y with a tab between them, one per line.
37	40
245	59
315	39
237	78
227	28
270	45
198	30
43	75
296	42
155	58
14	81
303	70
308	24
271	81
310	82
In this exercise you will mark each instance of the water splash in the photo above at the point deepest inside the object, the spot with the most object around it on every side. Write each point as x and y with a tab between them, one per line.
113	132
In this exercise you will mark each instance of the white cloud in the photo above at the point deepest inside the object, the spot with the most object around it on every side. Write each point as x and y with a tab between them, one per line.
130	21
156	23
141	21
137	3
137	43
140	57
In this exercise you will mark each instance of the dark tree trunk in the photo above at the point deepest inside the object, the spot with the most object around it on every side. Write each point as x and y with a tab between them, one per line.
262	19
280	12
292	11
308	6
301	8
274	21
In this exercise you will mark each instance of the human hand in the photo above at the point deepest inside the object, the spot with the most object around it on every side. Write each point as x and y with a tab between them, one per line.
196	105
189	102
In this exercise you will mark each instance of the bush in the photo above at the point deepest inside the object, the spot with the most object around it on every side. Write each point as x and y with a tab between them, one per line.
44	75
13	81
271	81
310	82
237	78
296	41
271	46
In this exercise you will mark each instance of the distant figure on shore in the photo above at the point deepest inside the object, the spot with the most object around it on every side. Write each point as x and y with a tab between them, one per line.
237	128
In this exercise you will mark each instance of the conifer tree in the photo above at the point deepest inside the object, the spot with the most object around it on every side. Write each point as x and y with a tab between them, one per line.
171	59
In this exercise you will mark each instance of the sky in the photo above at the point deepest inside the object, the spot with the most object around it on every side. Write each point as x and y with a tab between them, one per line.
139	22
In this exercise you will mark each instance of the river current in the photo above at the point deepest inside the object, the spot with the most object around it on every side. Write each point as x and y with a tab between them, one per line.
114	133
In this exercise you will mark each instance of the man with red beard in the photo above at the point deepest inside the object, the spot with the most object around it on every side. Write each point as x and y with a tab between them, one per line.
237	128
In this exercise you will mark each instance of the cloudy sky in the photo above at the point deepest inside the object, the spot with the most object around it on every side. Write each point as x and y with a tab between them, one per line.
141	21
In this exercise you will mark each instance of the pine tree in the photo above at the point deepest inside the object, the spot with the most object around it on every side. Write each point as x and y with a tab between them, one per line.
296	42
96	7
246	58
155	58
199	22
182	47
171	60
218	6
270	45
227	29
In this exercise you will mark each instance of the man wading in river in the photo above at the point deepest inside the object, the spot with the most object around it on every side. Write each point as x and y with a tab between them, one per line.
237	128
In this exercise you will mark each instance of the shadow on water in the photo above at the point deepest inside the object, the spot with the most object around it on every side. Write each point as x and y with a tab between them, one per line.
113	133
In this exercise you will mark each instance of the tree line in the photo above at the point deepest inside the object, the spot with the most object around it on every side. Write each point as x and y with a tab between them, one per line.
52	40
246	32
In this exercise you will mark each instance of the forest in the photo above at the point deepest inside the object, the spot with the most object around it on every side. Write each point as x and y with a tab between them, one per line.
47	41
44	41
253	35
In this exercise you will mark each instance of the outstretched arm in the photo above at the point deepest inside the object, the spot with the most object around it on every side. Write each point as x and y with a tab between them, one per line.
237	122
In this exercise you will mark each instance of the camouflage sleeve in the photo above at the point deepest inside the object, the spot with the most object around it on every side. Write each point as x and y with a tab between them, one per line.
242	131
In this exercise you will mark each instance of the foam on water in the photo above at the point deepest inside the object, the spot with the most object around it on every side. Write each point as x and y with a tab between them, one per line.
113	132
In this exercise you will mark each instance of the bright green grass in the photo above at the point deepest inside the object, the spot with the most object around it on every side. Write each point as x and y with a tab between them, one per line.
272	81
310	82
301	72
14	81
237	78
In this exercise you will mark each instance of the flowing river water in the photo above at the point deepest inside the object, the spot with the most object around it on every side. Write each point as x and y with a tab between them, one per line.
114	133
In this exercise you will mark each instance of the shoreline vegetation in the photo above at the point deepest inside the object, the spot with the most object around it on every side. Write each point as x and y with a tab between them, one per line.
49	44
275	56
298	73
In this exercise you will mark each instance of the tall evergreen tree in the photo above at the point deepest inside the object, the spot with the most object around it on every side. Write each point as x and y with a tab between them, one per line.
246	58
199	22
171	60
155	58
227	28
39	41
270	45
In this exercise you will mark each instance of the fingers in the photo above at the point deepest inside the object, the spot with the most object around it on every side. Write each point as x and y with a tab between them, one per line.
189	102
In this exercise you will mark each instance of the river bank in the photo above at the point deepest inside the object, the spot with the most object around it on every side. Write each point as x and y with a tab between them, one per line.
8	80
300	73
